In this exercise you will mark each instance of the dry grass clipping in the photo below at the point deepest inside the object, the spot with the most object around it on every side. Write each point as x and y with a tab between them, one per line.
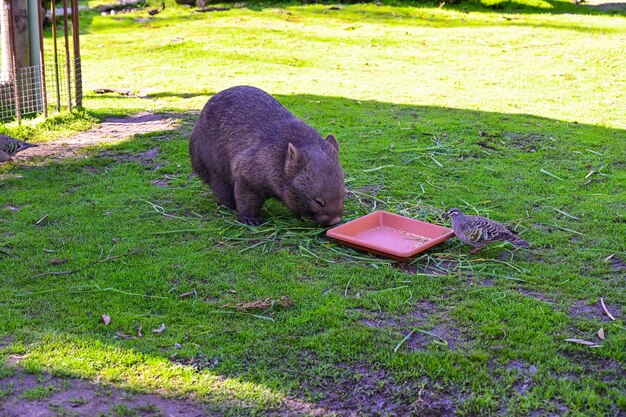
263	304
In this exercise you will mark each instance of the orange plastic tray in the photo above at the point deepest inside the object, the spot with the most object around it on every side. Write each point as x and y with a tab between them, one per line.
390	235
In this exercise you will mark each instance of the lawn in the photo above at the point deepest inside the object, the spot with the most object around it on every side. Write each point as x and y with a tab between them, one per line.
121	276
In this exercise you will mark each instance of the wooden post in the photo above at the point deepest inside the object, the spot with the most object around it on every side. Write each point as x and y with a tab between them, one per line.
18	34
22	48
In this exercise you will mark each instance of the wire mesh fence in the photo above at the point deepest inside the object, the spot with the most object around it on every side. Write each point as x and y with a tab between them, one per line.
62	82
30	85
29	89
7	100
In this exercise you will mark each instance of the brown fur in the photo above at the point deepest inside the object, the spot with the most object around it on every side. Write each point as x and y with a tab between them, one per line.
247	147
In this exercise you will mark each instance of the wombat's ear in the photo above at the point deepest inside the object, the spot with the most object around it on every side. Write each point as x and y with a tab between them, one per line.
293	153
330	139
292	164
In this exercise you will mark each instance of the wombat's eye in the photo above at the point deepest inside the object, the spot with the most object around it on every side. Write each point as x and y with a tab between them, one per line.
319	202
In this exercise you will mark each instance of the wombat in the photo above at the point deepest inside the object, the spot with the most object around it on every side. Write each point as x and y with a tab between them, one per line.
247	147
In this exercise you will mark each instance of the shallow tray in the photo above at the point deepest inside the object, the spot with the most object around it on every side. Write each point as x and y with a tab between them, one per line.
390	235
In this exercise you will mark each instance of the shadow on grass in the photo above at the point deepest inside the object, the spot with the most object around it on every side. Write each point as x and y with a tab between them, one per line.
319	356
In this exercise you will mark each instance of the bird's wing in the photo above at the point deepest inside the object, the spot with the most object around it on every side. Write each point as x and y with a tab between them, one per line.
480	229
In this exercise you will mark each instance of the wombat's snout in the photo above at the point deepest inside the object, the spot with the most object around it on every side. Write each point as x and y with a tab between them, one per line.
326	220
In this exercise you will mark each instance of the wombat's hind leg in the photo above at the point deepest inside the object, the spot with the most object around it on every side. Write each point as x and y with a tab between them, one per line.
248	205
224	193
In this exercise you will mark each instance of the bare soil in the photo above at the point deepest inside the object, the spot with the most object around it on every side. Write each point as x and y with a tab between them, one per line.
76	397
110	131
368	391
361	390
595	311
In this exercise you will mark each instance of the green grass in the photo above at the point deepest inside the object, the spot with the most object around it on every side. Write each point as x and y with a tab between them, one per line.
520	118
38	393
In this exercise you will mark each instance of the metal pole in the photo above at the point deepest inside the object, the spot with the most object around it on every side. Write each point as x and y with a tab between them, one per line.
35	56
42	67
78	75
67	56
33	31
56	53
14	73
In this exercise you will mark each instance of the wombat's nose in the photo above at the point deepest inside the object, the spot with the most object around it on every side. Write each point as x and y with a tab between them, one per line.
334	220
327	219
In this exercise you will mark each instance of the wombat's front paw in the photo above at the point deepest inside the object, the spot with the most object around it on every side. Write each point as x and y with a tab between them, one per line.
252	221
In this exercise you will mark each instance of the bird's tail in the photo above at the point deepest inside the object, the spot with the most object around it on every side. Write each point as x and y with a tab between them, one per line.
519	242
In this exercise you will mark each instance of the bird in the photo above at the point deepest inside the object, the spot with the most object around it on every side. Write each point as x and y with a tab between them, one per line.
479	231
152	12
10	146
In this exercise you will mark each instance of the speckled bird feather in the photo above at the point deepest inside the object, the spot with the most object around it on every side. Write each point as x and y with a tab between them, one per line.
10	146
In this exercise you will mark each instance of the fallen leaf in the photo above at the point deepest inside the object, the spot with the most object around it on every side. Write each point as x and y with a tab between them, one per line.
160	329
601	333
583	342
123	335
106	319
139	334
606	310
186	294
57	261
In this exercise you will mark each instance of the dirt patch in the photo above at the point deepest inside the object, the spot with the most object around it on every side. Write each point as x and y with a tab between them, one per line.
425	308
536	294
362	390
558	407
6	341
380	320
589	363
528	142
71	396
617	263
110	131
419	324
525	372
442	334
595	311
